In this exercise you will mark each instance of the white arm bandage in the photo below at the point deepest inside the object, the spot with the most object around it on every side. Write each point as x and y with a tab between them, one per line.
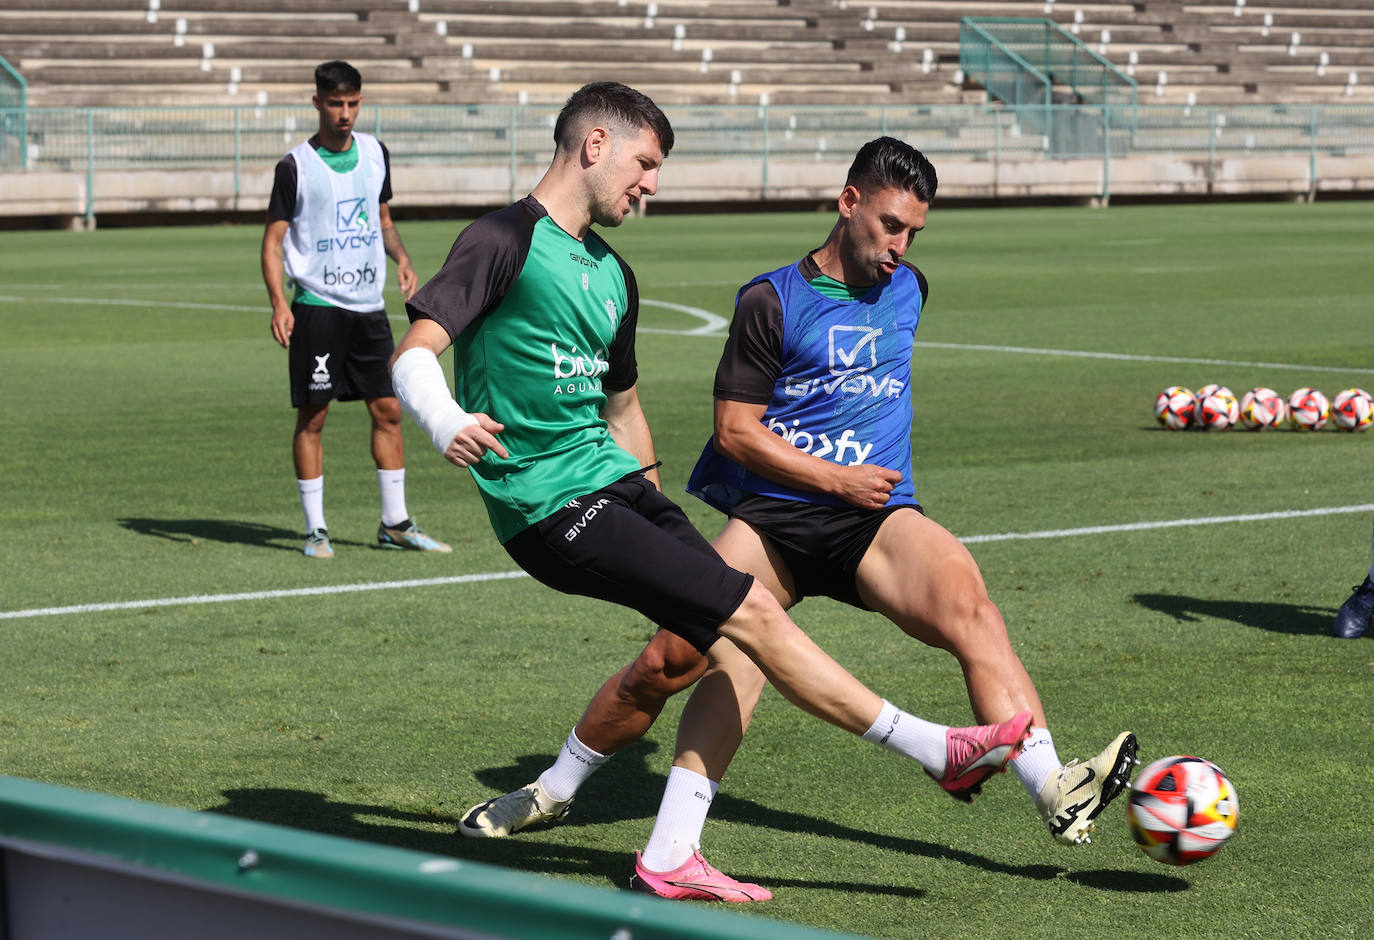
420	385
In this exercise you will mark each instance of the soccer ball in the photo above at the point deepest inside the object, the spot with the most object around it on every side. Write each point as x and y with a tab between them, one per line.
1352	409
1174	407
1262	408
1308	409
1216	408
1182	810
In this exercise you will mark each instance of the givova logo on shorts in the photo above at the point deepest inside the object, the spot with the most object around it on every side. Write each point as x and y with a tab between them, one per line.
320	379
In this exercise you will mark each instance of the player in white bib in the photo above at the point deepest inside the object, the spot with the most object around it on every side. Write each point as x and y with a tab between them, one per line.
329	232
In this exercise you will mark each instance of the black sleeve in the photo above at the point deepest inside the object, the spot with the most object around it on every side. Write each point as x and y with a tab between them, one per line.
752	359
282	205
385	195
624	371
921	283
483	263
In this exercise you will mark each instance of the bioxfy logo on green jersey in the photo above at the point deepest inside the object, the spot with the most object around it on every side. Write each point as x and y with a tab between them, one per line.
576	371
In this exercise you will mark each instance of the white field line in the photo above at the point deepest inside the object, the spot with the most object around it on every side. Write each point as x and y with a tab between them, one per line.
1169	524
714	325
199	599
1132	357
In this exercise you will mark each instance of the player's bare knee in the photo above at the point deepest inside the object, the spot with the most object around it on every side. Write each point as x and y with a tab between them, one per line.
757	620
660	672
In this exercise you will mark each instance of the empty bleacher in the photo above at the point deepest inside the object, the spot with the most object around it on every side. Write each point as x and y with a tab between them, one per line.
197	52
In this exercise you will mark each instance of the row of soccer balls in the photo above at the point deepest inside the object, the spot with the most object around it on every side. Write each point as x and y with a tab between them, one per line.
1215	408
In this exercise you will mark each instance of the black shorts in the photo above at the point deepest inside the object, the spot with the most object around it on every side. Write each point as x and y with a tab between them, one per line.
339	354
821	545
631	545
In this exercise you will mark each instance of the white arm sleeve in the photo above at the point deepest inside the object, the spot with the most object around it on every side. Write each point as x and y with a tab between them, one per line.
420	385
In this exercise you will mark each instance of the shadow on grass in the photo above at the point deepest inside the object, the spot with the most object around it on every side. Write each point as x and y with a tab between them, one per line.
229	531
1281	618
1133	882
624	789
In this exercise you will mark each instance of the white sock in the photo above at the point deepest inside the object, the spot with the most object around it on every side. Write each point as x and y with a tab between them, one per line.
576	762
392	483
917	738
681	817
312	501
1034	765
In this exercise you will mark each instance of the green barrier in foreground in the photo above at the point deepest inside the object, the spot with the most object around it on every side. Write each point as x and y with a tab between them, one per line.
119	861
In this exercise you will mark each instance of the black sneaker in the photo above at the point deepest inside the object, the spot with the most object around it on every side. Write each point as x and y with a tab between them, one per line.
1353	619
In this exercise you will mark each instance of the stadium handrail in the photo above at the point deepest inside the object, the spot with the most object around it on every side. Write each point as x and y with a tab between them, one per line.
13	117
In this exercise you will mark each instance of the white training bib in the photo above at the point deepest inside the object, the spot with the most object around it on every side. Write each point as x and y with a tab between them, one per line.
333	248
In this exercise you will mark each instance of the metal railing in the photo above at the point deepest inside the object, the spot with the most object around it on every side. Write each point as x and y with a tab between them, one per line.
518	139
1011	56
13	113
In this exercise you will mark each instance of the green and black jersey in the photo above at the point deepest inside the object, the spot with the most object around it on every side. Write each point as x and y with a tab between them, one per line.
543	325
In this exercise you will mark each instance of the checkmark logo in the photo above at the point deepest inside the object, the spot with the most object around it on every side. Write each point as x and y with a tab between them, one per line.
853	349
349	215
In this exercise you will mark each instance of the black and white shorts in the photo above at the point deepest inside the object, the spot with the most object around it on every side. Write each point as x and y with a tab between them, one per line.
631	545
337	354
821	545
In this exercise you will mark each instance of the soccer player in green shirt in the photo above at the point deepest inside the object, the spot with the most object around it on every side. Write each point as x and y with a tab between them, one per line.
541	315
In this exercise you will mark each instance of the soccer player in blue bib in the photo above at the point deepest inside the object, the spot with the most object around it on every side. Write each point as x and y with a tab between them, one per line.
329	229
811	460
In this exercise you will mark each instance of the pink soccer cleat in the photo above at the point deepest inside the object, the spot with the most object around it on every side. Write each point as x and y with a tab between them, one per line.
695	880
976	753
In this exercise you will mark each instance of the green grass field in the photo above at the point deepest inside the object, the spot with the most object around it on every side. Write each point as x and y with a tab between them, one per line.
147	428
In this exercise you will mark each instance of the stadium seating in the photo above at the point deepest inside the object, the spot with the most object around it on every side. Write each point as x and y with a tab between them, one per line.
169	52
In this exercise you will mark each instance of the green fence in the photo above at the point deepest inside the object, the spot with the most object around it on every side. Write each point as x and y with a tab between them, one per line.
14	134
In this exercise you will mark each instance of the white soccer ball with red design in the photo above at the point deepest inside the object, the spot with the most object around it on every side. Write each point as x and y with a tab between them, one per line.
1216	408
1182	810
1308	409
1352	409
1174	407
1262	408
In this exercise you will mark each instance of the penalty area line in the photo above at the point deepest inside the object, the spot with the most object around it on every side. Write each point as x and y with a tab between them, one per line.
197	599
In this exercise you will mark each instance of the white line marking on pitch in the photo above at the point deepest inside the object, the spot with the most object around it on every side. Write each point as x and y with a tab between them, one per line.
1132	357
715	325
197	599
712	324
1169	524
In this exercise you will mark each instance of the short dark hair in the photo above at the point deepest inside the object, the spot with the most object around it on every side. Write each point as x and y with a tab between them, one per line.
337	76
888	161
610	101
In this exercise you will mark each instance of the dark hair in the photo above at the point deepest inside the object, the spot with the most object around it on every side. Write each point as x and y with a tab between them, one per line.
888	161
337	76
610	101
